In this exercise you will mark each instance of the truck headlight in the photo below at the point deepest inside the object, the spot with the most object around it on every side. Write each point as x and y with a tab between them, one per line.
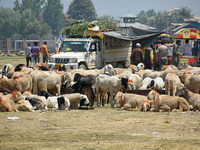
72	60
52	60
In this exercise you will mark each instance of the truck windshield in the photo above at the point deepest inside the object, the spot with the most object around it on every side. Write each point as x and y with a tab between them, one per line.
73	46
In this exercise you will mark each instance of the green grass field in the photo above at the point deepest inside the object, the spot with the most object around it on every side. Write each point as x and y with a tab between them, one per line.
13	60
103	128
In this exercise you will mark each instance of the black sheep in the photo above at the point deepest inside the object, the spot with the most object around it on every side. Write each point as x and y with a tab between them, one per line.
84	83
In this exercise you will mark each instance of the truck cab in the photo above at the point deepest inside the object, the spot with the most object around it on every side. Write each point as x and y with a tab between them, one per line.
82	53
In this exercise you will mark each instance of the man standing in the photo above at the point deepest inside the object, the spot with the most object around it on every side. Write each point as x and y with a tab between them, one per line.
162	51
44	51
137	55
176	54
187	48
148	57
35	51
28	54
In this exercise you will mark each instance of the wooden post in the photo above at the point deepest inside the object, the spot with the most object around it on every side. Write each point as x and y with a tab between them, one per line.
8	45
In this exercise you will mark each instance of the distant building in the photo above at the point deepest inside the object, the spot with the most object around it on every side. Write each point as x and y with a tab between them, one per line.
130	20
193	23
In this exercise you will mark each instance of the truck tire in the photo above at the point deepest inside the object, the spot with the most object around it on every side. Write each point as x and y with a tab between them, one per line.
119	65
82	66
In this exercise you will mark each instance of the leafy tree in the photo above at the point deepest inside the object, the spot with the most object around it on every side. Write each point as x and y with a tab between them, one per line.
9	22
44	30
82	10
16	5
53	15
161	20
142	17
34	5
151	13
106	18
32	27
185	12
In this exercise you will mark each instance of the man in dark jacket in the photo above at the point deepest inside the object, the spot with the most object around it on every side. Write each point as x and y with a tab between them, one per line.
148	57
137	55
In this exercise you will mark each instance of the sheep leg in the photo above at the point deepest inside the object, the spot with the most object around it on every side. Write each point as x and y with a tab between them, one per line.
169	90
112	99
93	97
165	108
174	90
127	107
58	88
98	99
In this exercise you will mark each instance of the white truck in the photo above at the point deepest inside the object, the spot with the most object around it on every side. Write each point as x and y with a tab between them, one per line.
93	52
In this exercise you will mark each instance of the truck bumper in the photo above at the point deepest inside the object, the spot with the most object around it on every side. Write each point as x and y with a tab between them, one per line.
68	66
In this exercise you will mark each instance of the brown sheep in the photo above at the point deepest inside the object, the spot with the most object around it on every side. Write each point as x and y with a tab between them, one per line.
20	83
7	105
172	84
131	69
192	82
167	103
130	101
169	67
192	98
48	80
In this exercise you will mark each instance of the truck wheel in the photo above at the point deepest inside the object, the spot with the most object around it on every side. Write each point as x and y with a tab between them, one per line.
82	66
120	66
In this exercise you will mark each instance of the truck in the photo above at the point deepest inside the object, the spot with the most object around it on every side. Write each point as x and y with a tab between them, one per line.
99	49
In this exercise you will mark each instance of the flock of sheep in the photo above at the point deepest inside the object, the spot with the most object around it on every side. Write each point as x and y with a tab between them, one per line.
30	89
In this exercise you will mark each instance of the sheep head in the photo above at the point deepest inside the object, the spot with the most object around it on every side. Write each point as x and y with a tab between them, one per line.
153	95
109	69
124	82
181	91
140	66
151	84
119	98
84	100
133	68
146	105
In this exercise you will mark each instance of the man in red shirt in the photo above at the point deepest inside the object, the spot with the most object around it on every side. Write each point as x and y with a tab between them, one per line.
44	51
137	55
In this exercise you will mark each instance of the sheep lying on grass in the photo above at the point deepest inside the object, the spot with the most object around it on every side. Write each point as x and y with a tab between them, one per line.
130	101
192	98
168	103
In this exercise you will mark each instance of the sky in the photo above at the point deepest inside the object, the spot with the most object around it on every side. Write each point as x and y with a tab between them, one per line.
119	8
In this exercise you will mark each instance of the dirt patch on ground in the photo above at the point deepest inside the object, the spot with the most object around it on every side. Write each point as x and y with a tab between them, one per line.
101	128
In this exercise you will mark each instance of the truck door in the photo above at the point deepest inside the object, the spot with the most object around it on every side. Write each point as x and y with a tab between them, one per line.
98	56
94	56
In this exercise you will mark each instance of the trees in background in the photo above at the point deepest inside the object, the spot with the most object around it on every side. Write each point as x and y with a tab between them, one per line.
42	17
161	20
9	22
82	10
53	15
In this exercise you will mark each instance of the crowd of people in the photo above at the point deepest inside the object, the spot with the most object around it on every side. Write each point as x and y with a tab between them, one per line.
33	53
156	58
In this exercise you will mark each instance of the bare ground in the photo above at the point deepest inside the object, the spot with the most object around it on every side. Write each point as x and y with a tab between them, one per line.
101	128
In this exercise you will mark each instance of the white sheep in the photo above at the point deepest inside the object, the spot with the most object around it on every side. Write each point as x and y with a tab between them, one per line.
77	100
58	102
111	84
145	83
156	84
